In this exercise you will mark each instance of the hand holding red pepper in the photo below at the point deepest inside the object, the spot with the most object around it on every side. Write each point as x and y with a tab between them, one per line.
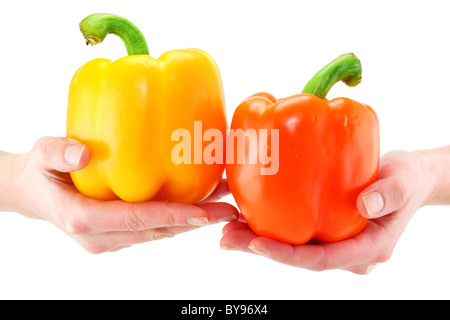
326	188
407	181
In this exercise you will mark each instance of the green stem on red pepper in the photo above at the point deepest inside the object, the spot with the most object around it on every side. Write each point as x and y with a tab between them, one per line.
346	68
96	26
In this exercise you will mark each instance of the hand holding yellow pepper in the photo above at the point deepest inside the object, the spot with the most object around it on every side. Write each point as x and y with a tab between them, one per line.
126	111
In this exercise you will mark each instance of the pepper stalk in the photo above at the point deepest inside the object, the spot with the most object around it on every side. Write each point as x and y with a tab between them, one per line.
98	25
346	68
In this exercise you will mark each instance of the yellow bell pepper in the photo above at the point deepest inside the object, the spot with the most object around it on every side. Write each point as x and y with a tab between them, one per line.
126	112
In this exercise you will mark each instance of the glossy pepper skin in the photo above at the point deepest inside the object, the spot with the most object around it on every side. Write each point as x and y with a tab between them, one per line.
328	153
125	111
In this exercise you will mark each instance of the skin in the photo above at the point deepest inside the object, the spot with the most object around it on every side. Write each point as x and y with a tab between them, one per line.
37	185
407	181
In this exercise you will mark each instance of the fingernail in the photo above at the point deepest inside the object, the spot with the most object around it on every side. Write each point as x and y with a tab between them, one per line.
228	218
259	251
198	221
73	154
163	236
228	247
370	268
374	203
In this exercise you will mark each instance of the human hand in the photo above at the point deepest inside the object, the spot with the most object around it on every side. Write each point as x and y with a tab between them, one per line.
39	186
403	187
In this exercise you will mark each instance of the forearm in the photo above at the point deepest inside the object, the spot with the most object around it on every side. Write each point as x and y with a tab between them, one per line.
436	166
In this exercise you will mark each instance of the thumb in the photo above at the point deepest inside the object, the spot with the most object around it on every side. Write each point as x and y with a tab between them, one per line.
61	154
382	197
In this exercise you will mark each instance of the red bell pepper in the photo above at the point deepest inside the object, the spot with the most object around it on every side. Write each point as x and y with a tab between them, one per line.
328	153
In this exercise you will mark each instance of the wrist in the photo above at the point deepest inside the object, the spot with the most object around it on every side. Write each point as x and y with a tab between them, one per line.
9	181
436	179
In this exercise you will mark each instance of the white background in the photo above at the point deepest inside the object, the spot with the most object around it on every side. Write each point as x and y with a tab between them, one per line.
274	46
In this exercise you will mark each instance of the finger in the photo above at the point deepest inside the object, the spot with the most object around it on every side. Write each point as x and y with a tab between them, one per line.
220	212
307	256
93	216
382	197
238	240
312	257
232	226
275	250
60	153
361	250
113	241
221	191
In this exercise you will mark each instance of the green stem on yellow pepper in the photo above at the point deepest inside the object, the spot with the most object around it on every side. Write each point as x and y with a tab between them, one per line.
96	26
346	68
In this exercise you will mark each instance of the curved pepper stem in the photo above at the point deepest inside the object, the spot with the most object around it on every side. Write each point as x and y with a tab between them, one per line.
96	26
346	68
